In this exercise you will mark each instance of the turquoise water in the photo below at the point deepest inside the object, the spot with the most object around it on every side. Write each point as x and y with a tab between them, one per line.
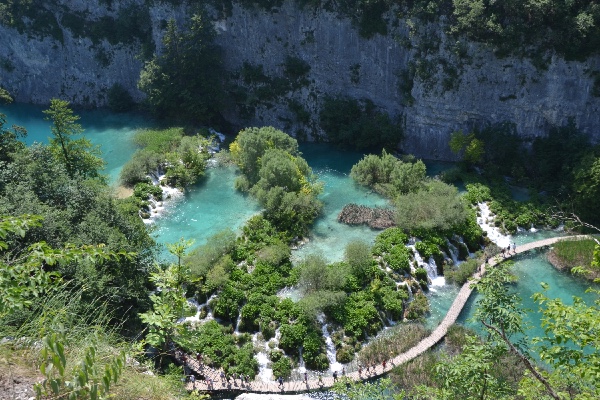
207	208
214	205
328	236
531	269
112	132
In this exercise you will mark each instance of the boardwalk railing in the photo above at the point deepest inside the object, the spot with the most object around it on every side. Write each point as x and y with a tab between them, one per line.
212	378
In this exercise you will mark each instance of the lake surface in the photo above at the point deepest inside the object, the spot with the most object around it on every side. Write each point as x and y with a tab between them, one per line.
214	205
112	132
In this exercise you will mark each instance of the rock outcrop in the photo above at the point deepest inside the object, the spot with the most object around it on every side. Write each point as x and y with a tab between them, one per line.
375	218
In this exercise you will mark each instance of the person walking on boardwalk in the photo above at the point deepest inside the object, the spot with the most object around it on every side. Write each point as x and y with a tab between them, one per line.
335	376
280	380
359	369
514	246
383	363
305	376
343	371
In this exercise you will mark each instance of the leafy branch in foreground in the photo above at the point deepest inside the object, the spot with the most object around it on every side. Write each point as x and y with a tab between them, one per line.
24	274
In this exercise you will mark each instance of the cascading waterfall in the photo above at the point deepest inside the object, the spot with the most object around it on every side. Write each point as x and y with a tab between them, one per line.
195	319
453	252
237	324
333	364
485	221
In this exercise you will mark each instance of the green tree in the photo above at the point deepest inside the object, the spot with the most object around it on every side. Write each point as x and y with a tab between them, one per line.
185	80
470	374
469	145
168	302
78	155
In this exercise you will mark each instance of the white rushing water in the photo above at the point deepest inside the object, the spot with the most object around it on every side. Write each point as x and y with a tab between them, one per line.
333	364
486	222
195	319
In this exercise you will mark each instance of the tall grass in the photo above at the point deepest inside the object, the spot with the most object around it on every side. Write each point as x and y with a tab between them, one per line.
83	323
573	253
391	343
158	140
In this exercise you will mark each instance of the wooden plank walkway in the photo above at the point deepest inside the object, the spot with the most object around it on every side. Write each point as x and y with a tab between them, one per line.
212	380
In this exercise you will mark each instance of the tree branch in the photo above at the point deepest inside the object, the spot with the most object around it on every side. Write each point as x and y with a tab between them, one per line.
524	359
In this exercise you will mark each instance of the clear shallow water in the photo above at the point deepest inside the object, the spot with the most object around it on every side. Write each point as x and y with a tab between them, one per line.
214	205
207	208
532	269
328	236
112	132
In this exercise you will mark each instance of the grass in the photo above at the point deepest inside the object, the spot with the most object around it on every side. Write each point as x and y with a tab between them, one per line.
83	323
568	254
158	140
394	342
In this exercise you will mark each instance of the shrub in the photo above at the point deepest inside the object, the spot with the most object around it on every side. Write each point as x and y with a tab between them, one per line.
398	259
387	239
139	166
282	367
437	207
345	354
421	274
461	274
418	308
145	190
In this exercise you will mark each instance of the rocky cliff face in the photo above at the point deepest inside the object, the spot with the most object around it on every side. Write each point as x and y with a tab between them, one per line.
431	89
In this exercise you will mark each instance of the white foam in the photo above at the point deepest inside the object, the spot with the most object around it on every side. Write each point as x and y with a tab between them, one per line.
485	221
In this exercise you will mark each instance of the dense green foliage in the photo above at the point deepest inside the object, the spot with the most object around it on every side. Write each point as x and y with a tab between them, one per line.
76	207
389	175
185	80
559	169
357	124
181	158
77	155
438	206
281	180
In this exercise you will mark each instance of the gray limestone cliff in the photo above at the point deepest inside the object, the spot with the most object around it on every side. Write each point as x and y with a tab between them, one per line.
434	89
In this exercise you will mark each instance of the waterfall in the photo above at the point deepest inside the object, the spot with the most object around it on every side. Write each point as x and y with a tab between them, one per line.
301	365
195	319
532	229
333	364
237	324
428	266
433	275
453	252
485	221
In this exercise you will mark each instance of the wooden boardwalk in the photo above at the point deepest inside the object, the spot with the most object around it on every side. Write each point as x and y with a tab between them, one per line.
212	380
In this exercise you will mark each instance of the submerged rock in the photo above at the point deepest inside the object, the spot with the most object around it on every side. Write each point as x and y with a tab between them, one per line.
376	218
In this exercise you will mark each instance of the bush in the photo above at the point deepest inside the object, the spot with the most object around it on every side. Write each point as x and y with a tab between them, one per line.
398	259
437	207
386	240
418	308
421	274
139	166
145	190
282	367
461	274
345	354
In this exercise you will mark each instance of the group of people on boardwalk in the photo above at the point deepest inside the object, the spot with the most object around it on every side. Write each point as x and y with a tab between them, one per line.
506	251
